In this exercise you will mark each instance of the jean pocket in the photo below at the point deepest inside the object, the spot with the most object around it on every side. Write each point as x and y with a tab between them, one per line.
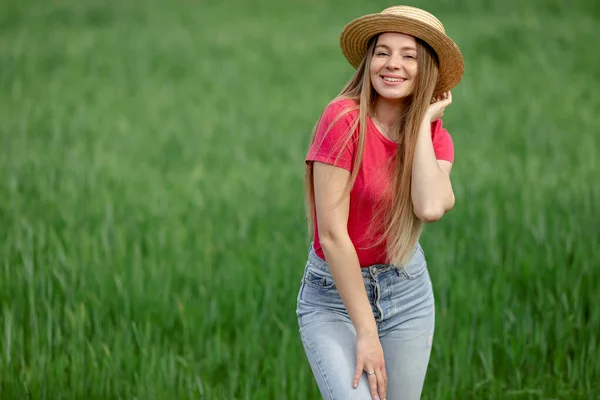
416	266
319	280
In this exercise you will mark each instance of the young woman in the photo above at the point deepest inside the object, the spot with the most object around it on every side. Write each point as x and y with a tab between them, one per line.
378	167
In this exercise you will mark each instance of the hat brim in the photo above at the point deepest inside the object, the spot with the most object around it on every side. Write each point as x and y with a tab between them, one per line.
355	37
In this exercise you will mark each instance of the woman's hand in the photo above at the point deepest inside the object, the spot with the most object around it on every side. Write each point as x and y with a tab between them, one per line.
369	358
438	105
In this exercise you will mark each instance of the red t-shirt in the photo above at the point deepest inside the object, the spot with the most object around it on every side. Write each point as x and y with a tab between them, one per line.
374	176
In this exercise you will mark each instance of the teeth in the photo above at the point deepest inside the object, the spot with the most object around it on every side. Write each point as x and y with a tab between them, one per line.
387	78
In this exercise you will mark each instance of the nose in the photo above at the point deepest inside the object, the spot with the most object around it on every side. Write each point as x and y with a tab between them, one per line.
394	62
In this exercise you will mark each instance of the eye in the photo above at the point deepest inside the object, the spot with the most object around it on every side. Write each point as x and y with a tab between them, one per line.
409	57
381	53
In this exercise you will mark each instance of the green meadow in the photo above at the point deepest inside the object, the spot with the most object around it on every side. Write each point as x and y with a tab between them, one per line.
152	230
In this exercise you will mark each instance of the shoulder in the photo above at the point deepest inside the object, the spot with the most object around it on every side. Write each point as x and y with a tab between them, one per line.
438	132
332	141
443	146
341	108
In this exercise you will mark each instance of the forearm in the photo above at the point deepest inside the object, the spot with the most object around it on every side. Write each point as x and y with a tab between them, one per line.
431	188
345	268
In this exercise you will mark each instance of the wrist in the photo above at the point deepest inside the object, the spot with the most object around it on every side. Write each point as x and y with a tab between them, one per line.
425	125
427	119
367	332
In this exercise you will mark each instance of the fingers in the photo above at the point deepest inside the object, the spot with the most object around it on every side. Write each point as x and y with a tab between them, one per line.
448	98
377	383
443	97
382	383
357	374
373	385
377	379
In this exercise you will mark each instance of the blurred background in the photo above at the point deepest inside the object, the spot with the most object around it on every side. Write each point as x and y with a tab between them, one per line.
152	231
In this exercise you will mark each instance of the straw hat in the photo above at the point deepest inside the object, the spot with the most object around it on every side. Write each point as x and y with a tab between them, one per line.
411	21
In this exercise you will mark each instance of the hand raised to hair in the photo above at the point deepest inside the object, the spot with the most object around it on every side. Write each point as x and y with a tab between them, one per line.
438	105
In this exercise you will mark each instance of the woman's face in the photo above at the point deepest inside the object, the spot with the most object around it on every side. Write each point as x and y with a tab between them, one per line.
393	67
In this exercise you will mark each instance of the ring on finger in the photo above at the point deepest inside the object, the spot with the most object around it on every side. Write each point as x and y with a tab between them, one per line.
371	372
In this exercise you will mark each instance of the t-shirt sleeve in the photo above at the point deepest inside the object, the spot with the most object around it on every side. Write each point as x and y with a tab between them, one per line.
443	146
334	142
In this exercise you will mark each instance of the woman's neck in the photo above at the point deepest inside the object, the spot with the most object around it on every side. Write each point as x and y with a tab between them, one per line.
388	112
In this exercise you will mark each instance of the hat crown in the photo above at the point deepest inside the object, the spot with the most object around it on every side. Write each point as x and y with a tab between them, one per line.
415	13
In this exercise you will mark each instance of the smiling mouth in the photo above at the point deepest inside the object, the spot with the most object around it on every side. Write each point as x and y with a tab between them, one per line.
390	79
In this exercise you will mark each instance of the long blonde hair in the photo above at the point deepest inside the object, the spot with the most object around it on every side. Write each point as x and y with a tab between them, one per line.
401	227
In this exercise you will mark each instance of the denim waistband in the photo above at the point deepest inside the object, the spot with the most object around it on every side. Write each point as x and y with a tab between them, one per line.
375	269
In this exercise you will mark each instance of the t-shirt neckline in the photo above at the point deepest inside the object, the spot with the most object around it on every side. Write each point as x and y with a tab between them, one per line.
381	136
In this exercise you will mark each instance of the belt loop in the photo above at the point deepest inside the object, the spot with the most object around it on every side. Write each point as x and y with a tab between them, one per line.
372	270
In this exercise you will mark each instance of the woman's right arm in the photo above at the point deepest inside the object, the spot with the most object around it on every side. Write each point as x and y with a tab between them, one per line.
332	218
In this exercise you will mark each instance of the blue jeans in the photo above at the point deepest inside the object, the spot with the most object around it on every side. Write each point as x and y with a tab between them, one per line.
403	305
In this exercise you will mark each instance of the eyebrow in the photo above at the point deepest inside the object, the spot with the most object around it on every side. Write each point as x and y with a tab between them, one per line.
402	48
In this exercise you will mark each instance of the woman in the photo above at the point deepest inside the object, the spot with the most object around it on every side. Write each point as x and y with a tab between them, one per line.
378	167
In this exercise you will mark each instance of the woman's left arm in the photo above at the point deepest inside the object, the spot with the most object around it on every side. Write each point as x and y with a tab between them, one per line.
431	189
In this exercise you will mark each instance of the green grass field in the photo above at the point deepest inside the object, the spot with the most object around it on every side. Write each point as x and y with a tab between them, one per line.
152	234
